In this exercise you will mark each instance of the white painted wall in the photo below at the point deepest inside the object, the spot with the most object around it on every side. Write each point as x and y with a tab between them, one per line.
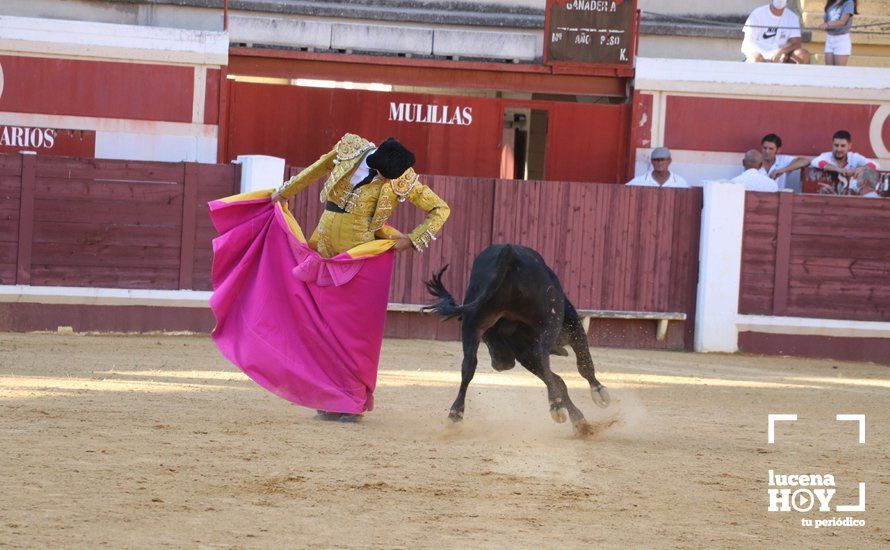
260	172
767	80
156	147
720	263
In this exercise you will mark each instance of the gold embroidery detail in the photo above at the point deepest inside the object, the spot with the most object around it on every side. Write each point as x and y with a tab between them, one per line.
349	150
351	146
403	184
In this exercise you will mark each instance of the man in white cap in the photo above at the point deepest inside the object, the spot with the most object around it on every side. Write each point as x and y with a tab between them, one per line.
660	175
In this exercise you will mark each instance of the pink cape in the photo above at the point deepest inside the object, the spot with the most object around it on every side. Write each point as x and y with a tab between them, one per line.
306	328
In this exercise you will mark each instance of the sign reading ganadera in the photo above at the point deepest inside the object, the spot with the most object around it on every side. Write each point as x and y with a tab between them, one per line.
597	33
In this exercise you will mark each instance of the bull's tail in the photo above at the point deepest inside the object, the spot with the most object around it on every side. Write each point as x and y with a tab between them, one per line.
446	306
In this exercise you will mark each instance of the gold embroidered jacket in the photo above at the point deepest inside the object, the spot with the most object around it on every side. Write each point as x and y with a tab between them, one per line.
341	162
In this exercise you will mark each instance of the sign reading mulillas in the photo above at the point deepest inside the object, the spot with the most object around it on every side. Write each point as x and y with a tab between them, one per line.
430	114
595	32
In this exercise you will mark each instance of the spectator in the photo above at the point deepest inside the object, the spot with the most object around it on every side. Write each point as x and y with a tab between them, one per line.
776	165
772	35
660	176
752	178
838	19
841	159
868	184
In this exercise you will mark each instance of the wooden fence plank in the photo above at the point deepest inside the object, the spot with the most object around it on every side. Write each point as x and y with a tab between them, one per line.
101	276
189	213
691	218
783	253
26	219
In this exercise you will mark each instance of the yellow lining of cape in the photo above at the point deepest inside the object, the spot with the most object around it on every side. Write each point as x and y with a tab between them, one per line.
365	250
264	193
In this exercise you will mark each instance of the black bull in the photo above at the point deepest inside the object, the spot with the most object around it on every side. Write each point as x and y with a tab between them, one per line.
515	304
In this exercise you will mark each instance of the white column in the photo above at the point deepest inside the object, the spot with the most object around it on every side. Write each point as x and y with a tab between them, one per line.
260	172
720	264
199	92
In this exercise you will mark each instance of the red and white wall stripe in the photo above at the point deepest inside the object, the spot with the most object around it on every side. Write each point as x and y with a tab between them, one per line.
710	112
110	91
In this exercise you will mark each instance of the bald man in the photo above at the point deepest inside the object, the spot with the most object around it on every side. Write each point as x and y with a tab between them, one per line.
752	178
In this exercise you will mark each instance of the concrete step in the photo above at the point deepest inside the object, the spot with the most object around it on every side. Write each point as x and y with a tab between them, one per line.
818	58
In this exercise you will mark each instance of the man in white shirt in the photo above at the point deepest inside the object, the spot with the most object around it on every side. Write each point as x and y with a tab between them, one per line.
772	34
660	175
776	165
752	178
841	159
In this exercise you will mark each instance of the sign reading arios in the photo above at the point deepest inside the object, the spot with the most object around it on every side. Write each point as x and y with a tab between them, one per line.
47	141
590	33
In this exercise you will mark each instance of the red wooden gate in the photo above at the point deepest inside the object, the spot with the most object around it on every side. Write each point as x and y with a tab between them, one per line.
451	135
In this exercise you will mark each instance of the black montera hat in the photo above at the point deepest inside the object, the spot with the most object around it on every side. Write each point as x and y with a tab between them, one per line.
391	159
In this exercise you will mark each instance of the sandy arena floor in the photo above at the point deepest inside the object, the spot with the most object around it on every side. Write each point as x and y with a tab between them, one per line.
156	441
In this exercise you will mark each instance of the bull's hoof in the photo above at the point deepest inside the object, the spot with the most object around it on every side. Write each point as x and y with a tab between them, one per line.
600	396
559	415
455	416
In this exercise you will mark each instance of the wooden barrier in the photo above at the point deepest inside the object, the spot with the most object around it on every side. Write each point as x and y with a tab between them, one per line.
622	254
816	256
108	223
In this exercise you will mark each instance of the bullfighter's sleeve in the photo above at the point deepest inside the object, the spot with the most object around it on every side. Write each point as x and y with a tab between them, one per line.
309	174
437	211
387	232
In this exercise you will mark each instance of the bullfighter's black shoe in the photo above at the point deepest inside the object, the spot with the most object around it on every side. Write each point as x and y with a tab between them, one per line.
327	416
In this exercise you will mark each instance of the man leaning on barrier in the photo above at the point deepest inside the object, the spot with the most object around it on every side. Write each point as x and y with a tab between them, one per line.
660	175
841	159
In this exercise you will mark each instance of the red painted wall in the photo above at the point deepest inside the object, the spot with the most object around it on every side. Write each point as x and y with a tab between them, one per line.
96	89
300	124
733	125
586	142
